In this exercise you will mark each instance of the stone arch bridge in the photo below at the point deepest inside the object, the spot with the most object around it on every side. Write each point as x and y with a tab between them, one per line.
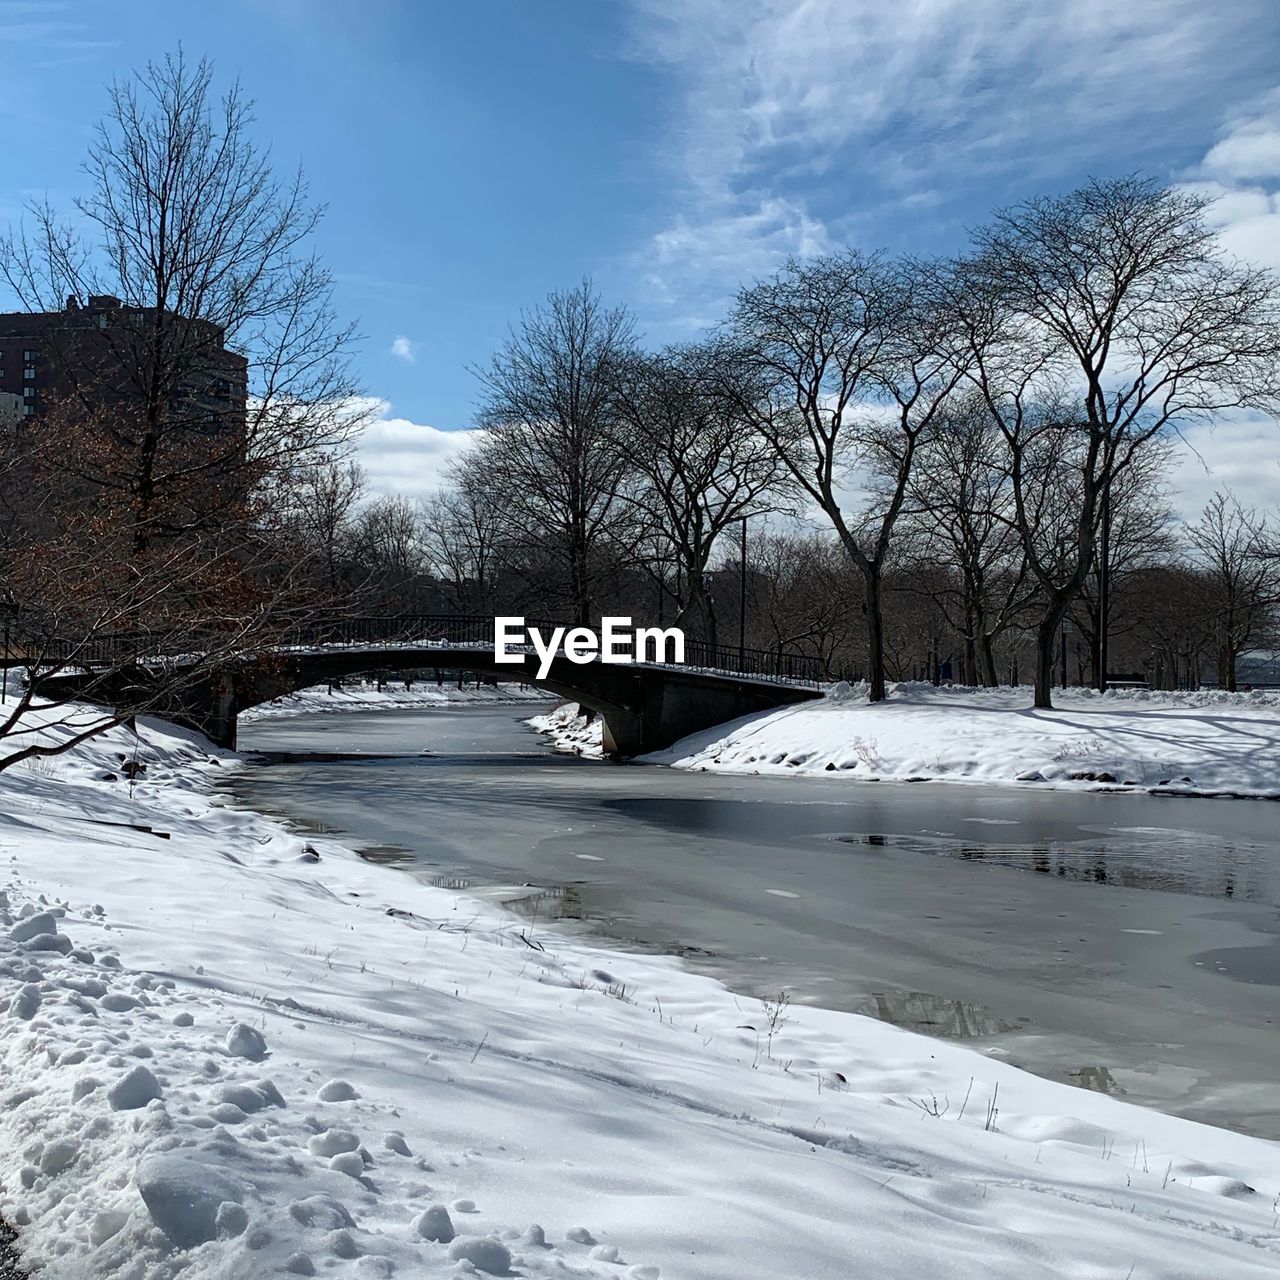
645	706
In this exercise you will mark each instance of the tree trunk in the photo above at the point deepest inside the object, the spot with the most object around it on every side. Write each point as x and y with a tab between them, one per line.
1046	638
578	586
989	677
697	618
875	634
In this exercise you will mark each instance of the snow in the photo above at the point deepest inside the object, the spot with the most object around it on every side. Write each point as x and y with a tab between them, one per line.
366	696
1187	743
572	729
520	1102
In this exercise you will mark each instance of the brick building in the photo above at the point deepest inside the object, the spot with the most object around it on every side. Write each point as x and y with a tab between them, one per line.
99	354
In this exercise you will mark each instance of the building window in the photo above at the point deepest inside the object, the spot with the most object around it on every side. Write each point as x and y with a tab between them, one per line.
29	356
29	374
29	392
28	410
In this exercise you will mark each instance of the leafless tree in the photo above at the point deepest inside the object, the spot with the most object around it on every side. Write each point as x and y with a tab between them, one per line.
858	359
186	224
322	499
76	607
1097	322
797	587
961	502
387	542
1236	548
550	407
1141	534
158	524
461	530
701	466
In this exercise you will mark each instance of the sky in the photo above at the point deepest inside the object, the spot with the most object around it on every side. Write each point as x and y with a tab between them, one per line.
474	156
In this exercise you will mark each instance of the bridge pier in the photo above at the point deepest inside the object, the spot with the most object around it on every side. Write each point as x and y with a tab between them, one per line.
623	732
219	721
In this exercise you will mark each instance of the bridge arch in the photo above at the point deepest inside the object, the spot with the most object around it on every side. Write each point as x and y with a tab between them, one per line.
644	707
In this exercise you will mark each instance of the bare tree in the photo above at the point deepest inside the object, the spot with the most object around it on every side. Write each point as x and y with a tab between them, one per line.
76	607
186	225
701	466
550	407
1236	549
324	496
1140	535
461	530
858	360
388	547
214	374
798	585
1099	321
961	502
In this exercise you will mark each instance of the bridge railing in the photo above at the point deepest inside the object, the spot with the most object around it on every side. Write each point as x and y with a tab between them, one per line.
478	630
453	630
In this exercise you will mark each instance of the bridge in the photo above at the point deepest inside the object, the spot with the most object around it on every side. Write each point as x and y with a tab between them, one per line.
644	706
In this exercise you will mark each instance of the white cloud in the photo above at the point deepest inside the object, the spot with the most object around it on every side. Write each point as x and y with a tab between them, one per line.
1241	172
1240	452
702	257
1249	148
404	349
772	94
405	457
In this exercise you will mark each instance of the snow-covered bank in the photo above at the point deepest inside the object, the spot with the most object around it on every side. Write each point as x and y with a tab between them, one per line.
231	1052
571	728
1202	743
366	696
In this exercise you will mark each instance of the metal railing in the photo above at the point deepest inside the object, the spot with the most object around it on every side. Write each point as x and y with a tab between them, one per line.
421	630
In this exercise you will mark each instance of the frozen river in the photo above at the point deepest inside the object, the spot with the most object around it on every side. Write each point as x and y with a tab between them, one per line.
1126	943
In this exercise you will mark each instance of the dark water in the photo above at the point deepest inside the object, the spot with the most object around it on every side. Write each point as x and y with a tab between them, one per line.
1125	943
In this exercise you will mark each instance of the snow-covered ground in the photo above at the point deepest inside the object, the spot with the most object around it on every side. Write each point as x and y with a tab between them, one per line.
365	695
1202	743
233	1052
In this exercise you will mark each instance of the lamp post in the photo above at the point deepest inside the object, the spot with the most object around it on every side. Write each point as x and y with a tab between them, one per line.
1104	586
742	598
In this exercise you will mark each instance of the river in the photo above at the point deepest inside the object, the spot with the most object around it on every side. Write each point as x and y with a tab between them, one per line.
1124	943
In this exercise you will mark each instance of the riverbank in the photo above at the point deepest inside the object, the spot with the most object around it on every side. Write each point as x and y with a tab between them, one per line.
364	695
256	1054
1204	743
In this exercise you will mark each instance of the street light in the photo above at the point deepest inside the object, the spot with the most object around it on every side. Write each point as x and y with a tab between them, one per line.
742	598
1104	586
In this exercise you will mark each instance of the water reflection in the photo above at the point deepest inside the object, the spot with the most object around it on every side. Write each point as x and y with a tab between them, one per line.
550	902
935	1015
390	855
459	884
1099	1079
1174	862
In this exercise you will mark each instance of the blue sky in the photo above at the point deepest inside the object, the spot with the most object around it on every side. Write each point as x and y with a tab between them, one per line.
474	155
